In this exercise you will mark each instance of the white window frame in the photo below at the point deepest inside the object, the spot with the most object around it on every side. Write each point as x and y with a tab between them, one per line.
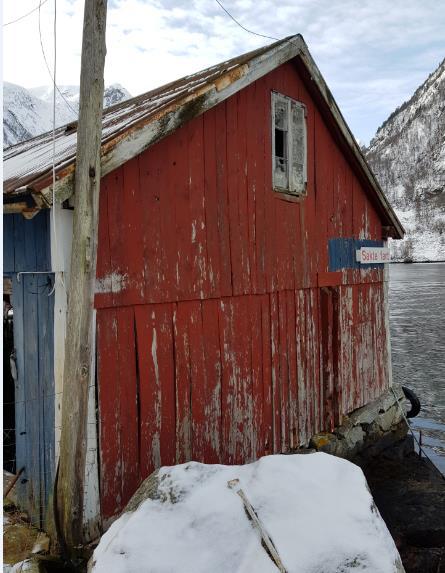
295	186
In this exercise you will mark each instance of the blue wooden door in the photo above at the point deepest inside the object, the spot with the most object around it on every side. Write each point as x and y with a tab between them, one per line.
33	338
26	261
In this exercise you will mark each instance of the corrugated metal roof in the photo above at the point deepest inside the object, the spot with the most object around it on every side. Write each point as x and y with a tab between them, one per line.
25	163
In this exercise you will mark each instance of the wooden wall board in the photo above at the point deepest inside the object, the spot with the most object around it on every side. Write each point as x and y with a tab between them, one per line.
236	349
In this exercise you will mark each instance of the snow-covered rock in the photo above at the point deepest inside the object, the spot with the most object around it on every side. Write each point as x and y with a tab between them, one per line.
316	509
407	155
27	113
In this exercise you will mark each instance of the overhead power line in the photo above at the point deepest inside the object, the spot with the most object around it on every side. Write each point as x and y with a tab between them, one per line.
243	27
25	15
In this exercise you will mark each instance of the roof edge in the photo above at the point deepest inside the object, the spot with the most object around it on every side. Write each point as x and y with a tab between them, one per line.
118	149
141	136
340	121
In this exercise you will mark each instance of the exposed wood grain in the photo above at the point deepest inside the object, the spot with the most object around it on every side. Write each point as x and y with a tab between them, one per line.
78	342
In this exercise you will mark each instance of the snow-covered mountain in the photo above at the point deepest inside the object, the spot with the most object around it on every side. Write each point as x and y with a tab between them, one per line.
29	112
407	155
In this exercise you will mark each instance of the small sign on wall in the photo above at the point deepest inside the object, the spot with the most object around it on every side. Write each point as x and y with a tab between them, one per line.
372	255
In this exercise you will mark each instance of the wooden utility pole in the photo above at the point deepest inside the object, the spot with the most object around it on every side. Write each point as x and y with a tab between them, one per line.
78	341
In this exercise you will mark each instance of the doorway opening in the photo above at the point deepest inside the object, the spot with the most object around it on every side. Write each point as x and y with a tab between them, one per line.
9	379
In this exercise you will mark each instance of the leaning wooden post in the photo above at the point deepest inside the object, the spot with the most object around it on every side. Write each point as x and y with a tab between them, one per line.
78	341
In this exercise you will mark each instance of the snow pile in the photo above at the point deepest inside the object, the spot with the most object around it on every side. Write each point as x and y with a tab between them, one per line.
316	508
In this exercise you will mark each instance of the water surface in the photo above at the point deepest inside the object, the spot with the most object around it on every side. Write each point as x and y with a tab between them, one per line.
417	323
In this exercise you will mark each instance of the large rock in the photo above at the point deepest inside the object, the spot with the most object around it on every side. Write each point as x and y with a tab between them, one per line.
316	509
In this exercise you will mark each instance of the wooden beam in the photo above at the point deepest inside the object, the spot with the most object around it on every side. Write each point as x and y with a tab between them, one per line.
78	340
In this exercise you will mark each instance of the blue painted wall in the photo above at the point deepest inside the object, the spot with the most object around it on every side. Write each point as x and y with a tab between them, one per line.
26	248
342	253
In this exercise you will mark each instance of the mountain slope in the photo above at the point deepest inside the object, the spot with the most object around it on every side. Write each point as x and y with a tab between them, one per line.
27	113
407	155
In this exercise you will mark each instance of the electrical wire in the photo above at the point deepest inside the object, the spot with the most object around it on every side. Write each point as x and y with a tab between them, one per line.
25	15
243	27
47	65
56	249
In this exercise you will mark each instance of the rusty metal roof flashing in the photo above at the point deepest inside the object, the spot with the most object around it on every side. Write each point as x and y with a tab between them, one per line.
132	126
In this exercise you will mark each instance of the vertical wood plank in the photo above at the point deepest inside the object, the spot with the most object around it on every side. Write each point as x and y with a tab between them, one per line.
46	385
304	397
292	370
199	276
109	409
8	244
223	200
183	382
128	398
152	191
313	334
237	380
212	225
132	236
268	414
284	372
20	261
117	280
154	329
149	398
276	380
41	246
212	396
257	421
180	180
20	384
253	158
260	129
205	387
32	396
235	181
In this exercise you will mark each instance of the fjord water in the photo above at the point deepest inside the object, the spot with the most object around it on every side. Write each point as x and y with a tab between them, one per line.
417	323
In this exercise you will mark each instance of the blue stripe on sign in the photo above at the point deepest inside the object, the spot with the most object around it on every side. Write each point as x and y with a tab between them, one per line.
342	253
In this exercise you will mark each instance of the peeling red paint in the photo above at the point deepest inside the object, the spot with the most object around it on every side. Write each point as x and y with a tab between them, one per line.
239	341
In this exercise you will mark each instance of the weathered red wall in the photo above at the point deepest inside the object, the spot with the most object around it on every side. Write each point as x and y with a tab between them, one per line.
216	341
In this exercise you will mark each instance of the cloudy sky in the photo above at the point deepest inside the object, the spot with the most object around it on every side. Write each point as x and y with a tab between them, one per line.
372	53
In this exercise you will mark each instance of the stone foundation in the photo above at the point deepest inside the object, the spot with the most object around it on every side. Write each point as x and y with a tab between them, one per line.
365	432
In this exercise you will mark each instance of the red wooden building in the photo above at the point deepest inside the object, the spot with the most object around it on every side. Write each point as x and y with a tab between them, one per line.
233	319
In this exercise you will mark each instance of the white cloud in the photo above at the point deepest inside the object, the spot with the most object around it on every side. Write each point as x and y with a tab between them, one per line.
373	53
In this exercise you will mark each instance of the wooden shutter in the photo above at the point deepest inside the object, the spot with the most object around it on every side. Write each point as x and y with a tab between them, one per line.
297	148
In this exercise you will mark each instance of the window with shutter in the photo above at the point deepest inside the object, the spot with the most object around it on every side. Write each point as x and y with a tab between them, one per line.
289	147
